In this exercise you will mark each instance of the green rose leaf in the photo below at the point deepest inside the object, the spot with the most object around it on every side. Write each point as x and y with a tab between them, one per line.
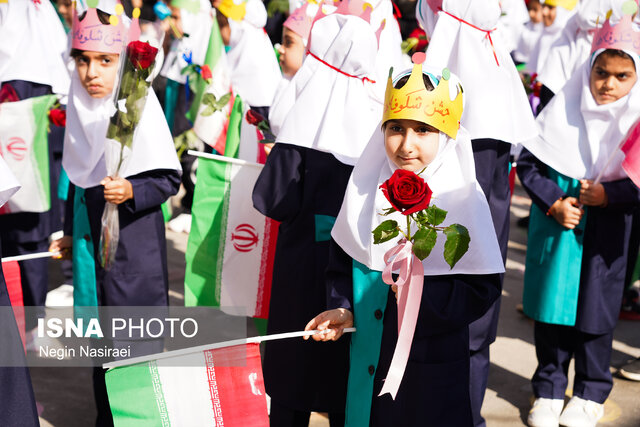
423	242
222	102
435	215
388	211
387	230
457	243
209	110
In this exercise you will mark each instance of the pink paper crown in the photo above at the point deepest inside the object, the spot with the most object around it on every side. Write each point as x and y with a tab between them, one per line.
621	36
91	34
358	8
300	22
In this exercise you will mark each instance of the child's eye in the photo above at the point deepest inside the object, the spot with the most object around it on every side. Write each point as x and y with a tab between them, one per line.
622	76
396	128
424	129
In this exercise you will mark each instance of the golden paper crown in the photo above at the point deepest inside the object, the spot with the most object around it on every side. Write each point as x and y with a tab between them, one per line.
233	9
414	102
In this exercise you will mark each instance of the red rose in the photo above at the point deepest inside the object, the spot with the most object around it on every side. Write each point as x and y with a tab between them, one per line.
407	192
254	118
418	33
141	54
58	117
205	72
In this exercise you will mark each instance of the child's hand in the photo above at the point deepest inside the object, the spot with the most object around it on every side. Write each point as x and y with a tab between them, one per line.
267	147
117	190
592	194
566	212
62	245
336	320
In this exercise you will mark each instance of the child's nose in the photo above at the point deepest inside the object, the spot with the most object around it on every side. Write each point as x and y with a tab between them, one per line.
92	70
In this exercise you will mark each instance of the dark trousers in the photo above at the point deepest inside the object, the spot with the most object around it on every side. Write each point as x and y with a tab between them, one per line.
555	346
283	416
491	158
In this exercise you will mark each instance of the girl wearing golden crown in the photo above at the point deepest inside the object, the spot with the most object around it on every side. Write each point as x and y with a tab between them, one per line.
302	185
410	350
580	226
138	275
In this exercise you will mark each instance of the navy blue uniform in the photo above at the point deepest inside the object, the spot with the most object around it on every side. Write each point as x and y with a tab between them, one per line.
602	279
435	386
303	189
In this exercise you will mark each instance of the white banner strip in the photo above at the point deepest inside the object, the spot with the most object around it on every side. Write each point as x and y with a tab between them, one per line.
223	158
30	256
223	344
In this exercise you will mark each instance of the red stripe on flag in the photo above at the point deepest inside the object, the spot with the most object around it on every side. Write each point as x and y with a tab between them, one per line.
631	149
11	270
266	268
239	383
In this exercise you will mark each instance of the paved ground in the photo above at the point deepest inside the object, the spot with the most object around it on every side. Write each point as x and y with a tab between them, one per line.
65	394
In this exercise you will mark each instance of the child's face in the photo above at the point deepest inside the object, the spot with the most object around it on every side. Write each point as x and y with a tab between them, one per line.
611	78
411	145
535	12
291	52
548	15
66	11
97	72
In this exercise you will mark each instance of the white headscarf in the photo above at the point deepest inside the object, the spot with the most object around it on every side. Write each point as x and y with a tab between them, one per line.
512	22
527	41
452	178
8	183
568	52
83	156
255	73
549	35
198	27
32	45
332	111
578	136
497	105
282	103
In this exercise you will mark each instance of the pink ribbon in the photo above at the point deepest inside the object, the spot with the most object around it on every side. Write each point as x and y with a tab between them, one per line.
410	282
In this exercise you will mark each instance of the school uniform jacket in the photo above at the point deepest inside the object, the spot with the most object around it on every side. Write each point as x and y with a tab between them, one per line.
139	274
435	387
303	189
604	235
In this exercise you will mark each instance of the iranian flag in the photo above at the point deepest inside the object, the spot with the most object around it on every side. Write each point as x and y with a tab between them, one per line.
231	245
213	102
211	387
25	149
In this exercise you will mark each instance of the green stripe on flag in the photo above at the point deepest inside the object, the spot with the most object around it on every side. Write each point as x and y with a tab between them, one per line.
211	58
205	249
40	151
142	381
232	145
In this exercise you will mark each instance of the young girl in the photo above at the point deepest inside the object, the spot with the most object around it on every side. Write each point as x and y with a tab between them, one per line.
555	15
138	276
292	51
579	230
434	387
302	185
